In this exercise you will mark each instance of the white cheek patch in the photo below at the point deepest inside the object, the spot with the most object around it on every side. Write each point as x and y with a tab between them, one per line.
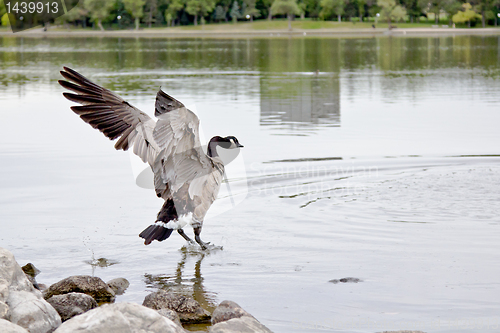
233	144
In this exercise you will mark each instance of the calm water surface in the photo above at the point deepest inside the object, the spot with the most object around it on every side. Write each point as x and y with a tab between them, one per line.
373	158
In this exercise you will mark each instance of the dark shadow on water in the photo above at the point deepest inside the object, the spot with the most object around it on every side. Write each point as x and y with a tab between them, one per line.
187	280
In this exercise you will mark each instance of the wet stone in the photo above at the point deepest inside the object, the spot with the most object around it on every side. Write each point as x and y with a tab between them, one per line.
30	269
31	272
170	314
92	286
118	285
189	310
72	304
229	317
346	280
228	310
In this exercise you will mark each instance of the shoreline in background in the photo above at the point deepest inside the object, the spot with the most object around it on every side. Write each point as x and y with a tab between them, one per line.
274	33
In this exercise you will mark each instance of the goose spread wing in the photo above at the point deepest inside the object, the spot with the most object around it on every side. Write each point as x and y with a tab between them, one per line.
112	115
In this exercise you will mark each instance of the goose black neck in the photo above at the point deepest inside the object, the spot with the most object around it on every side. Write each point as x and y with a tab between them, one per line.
212	147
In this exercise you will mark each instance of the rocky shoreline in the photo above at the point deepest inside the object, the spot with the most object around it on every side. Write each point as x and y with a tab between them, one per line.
72	305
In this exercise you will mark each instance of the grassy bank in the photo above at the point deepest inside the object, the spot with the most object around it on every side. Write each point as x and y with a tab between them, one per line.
262	28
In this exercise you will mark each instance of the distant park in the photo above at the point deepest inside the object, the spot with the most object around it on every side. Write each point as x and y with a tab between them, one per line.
247	15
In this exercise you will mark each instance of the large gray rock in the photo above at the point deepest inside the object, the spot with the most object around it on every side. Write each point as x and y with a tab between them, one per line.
31	311
120	318
188	309
90	285
7	327
72	304
229	317
26	306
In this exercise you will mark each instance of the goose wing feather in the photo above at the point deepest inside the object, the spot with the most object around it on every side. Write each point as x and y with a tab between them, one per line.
112	115
171	146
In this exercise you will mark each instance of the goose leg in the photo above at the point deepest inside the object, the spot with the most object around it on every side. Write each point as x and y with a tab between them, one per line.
183	234
197	232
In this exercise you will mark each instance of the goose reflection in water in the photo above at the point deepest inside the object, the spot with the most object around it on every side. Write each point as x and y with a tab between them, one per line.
182	283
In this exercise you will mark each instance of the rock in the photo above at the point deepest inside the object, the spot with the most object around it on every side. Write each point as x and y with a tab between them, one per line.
7	327
118	285
230	317
228	310
188	309
30	269
72	304
119	318
31	311
92	286
4	310
31	272
26	306
346	280
170	314
241	325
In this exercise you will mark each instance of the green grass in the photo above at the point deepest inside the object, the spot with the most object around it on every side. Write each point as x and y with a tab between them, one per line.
306	24
263	25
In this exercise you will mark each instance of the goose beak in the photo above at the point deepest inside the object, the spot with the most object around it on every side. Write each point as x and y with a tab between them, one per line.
240	145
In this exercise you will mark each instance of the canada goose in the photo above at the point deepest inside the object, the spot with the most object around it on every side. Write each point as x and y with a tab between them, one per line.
184	176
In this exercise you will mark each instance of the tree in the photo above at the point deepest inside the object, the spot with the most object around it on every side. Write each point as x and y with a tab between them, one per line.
77	13
391	11
173	10
483	6
466	15
168	18
288	7
330	7
361	9
268	4
135	8
151	5
5	20
311	8
3	10
235	12
220	13
413	8
433	6
251	10
451	7
99	10
199	7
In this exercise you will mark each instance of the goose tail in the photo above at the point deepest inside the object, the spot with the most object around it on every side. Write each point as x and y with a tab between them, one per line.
157	231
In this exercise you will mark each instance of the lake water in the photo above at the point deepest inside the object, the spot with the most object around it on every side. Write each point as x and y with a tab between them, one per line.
371	158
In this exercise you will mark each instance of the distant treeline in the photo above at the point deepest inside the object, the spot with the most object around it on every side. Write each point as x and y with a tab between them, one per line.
161	13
